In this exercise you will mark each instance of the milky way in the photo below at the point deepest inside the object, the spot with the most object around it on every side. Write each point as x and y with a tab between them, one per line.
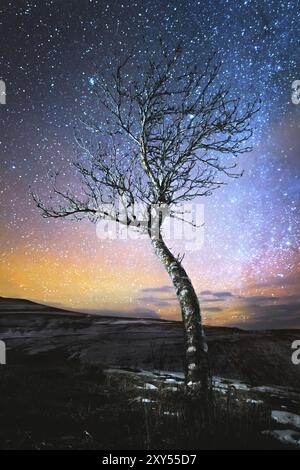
247	272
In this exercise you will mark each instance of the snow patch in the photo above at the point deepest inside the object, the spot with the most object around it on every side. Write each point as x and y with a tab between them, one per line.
286	436
147	400
254	402
143	400
220	383
284	417
150	387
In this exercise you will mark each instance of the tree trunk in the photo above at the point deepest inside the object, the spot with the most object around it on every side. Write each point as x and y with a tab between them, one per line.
196	355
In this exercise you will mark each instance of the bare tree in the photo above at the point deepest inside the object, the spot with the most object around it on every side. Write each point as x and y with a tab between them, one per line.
162	141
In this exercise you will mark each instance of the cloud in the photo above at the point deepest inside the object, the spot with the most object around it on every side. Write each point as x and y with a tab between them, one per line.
156	296
206	292
219	295
253	311
258	301
283	315
161	289
151	299
210	296
223	295
245	311
212	309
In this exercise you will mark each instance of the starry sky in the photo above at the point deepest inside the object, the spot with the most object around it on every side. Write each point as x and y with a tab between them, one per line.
247	270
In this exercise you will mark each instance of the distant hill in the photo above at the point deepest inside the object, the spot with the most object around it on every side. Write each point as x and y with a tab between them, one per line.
8	305
42	333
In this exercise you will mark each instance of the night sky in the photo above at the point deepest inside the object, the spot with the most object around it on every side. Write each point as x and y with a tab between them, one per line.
247	271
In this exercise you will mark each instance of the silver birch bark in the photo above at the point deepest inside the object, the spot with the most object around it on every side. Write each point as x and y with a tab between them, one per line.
196	350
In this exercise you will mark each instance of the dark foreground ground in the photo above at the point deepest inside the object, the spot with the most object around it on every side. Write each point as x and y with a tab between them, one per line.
76	381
